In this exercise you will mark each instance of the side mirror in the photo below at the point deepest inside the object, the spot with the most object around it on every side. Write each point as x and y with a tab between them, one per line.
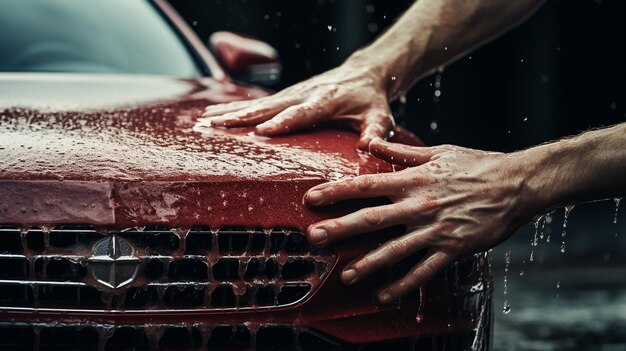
246	59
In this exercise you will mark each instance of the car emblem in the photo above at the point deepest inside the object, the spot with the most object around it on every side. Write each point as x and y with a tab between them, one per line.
113	263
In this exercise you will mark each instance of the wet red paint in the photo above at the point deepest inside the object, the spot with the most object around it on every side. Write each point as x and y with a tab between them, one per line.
118	151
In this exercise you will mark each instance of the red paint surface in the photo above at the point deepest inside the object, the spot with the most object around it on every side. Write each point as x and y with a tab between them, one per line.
119	151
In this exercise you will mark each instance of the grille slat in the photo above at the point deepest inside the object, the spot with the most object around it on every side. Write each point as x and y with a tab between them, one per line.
163	269
165	337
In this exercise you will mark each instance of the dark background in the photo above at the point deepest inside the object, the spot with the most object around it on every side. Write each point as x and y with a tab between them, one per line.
559	73
563	70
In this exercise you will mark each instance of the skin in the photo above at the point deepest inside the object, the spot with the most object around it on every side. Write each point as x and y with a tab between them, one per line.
454	201
457	201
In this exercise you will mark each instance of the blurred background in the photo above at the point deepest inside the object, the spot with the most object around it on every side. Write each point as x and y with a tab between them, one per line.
559	73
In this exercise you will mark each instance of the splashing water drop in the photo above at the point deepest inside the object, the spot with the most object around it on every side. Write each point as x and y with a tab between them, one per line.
506	308
568	209
521	272
507	261
536	236
617	202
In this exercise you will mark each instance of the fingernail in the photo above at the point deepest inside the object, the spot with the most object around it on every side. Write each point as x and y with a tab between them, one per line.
266	126
314	197
318	235
384	298
349	276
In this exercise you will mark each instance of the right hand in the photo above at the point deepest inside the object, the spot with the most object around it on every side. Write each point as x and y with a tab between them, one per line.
344	93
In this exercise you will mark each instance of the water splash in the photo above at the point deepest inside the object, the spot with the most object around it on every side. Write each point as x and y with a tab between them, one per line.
568	209
535	239
506	308
617	201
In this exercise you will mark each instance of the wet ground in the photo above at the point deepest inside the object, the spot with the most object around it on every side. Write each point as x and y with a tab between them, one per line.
564	301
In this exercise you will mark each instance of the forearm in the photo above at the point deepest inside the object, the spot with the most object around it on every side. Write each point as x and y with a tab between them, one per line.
435	32
591	166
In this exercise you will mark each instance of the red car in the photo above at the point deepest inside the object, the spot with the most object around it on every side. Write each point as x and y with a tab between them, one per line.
127	223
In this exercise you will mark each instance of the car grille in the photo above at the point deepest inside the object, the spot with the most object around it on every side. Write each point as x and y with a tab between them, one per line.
274	337
72	267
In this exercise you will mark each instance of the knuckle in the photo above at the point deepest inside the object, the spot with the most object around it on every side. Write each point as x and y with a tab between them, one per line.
457	243
372	217
363	183
395	248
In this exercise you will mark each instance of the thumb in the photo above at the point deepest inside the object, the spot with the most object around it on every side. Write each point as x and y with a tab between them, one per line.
401	154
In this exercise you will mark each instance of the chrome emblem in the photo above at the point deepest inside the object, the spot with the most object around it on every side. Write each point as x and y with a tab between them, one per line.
113	263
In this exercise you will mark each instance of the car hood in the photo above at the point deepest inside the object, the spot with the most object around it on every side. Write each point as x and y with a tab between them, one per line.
97	135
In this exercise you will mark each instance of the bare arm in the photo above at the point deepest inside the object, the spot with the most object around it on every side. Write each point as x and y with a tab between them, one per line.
431	33
457	201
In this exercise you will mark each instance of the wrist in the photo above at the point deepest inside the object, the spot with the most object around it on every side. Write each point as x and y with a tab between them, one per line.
395	68
547	174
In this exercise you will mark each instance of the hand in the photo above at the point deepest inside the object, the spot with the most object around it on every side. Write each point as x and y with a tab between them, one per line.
454	201
349	93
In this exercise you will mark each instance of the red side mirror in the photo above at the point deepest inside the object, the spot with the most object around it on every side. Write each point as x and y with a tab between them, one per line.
246	58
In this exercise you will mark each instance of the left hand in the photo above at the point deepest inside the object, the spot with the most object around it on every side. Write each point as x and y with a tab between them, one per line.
454	201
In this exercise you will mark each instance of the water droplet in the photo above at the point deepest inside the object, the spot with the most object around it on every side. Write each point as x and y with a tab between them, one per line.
393	77
521	272
506	308
558	285
402	98
437	93
370	8
433	125
329	27
372	27
419	318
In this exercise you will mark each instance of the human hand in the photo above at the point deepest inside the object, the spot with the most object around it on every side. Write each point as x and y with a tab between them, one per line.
346	93
454	201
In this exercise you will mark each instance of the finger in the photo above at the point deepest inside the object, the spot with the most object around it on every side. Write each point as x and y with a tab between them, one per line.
401	154
389	253
361	187
377	123
250	116
293	118
426	269
362	221
220	109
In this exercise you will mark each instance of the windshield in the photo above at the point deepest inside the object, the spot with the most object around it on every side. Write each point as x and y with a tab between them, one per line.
112	36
